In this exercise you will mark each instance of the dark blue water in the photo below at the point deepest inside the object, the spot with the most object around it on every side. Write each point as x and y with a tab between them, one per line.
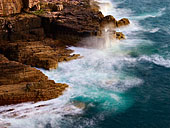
151	108
124	86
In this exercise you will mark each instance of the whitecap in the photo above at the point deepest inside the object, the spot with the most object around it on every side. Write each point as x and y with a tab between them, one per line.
156	59
97	77
149	15
154	30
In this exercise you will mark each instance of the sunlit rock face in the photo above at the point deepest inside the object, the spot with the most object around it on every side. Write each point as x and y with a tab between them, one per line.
8	7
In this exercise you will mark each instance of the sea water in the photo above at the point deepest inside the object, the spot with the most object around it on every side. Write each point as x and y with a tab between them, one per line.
123	85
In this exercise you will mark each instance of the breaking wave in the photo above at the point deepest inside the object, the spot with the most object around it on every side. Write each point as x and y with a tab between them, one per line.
157	59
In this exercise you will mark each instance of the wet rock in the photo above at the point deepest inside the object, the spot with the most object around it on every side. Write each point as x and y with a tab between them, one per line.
108	20
94	5
120	35
79	105
123	22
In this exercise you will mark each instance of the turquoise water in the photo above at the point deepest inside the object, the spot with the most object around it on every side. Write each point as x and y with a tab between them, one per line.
125	85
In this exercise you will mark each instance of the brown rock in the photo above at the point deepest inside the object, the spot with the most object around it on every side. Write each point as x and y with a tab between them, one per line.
8	7
73	23
32	53
37	54
54	6
123	22
33	4
21	83
120	35
108	20
79	104
25	27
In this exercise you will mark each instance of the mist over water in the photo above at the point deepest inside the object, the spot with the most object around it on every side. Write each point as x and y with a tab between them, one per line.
120	84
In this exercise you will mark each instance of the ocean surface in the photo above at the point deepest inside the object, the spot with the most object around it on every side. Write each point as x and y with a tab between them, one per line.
123	85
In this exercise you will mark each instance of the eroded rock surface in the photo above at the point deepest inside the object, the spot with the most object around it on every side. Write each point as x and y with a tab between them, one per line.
123	22
8	7
22	83
108	20
25	27
24	40
72	23
120	35
37	54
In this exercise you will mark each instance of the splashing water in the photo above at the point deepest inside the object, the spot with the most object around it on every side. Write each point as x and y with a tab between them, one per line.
97	81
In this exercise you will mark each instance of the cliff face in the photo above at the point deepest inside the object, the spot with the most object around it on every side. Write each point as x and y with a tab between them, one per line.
23	27
8	7
22	83
40	39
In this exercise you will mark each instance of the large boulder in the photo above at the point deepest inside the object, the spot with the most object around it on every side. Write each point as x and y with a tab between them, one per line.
120	35
108	20
123	22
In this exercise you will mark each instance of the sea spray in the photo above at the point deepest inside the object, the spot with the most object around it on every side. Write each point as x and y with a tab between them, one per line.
96	80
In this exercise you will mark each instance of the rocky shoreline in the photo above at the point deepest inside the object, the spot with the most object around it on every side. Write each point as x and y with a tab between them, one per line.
37	34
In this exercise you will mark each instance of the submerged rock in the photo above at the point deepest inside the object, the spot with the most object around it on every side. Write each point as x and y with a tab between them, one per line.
79	104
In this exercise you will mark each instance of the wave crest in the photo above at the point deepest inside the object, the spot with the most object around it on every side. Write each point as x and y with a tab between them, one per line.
156	59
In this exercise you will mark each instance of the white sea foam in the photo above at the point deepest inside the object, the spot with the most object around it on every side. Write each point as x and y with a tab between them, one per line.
37	115
150	15
156	59
92	78
96	78
108	7
154	30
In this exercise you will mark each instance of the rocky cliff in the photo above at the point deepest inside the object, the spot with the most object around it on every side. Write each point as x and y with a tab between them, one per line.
21	83
40	38
25	27
8	7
